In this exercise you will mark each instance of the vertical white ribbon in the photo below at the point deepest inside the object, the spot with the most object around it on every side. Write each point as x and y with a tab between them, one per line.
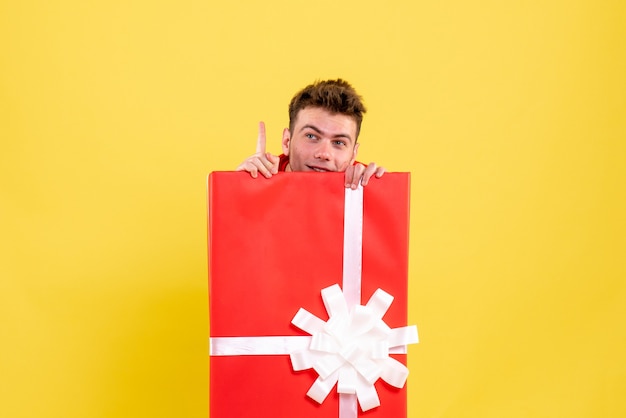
352	246
352	267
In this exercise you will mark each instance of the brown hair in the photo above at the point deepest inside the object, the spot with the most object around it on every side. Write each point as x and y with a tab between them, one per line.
336	96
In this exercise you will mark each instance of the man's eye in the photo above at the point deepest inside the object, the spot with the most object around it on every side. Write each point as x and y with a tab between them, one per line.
310	136
340	143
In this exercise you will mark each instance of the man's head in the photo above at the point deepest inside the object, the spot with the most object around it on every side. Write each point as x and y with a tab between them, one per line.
335	96
324	124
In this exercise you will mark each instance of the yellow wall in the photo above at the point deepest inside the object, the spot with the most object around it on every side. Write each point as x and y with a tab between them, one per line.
509	115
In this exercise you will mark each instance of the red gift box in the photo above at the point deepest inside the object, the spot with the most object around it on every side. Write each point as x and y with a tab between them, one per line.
274	244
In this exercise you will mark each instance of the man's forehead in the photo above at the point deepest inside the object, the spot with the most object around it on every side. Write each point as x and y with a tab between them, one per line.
323	120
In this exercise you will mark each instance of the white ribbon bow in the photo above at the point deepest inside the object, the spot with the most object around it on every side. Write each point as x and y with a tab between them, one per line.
352	348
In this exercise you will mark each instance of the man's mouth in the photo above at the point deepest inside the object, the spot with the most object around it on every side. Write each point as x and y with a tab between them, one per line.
318	169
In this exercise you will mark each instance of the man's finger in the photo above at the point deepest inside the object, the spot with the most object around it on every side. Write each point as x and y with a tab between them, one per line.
275	160
359	169
348	176
260	166
260	142
250	168
269	161
371	168
353	175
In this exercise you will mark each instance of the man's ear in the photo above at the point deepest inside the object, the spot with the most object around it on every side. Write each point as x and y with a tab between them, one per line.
356	148
286	141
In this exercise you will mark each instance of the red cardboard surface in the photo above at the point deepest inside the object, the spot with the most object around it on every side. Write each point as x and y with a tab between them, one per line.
274	244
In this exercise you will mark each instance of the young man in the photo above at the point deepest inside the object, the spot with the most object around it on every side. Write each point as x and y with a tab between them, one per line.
324	124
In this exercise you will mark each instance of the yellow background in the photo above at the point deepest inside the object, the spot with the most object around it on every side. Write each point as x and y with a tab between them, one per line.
509	115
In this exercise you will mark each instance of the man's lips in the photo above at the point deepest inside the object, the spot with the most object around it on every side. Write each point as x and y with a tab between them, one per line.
318	169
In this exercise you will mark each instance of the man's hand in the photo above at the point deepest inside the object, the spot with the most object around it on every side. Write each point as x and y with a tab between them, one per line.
261	162
357	172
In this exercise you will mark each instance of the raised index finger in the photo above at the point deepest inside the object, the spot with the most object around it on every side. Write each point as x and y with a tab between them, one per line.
260	142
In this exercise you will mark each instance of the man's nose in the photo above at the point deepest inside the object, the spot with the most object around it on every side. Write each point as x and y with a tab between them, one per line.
323	151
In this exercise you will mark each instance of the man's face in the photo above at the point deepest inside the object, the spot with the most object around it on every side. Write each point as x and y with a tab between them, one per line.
321	141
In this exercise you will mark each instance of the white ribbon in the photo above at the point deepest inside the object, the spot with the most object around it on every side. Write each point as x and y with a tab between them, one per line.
352	348
352	245
250	346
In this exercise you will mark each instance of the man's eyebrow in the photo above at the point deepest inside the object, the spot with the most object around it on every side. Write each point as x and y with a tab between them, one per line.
319	131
